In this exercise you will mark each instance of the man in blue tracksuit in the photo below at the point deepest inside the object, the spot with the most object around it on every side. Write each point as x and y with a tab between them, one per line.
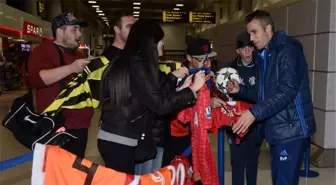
284	104
245	155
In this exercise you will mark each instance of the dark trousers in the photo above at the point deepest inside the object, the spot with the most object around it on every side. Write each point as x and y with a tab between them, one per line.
175	146
117	156
77	146
286	161
244	158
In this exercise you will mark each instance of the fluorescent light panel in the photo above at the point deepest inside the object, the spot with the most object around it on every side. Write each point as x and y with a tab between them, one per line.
136	12
92	2
136	15
99	11
136	7
95	6
101	14
176	8
179	5
136	3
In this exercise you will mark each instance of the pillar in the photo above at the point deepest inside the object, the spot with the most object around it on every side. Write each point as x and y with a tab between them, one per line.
53	8
324	73
31	7
67	6
316	29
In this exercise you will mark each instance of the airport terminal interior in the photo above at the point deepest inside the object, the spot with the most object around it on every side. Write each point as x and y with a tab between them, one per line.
24	24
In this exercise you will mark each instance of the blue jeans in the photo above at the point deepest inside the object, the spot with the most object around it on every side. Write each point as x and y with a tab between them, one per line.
151	165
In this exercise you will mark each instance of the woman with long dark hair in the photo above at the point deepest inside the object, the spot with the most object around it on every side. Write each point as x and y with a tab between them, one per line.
132	94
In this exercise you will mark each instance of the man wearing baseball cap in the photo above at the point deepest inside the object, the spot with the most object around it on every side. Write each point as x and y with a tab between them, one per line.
51	66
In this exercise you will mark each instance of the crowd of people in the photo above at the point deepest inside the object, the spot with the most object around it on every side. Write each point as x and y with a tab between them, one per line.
139	132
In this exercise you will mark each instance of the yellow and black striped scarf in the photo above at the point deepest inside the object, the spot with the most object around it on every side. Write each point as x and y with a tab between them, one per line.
83	90
169	67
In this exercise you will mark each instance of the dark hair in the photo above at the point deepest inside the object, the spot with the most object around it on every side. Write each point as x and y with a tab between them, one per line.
116	21
142	41
264	17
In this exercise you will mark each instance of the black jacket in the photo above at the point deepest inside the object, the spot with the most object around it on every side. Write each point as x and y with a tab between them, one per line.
284	103
161	123
146	98
248	76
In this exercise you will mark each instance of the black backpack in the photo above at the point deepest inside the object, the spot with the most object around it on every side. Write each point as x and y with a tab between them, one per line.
29	127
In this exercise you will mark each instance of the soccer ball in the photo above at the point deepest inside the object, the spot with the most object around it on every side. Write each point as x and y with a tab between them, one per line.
223	76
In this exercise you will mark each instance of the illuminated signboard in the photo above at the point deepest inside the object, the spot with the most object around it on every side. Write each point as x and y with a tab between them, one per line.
84	46
31	29
202	17
188	17
175	16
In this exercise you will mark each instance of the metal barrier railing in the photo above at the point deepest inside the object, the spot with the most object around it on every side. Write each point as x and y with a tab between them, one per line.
10	163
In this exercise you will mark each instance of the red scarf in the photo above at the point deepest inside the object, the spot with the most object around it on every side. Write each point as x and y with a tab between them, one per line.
200	118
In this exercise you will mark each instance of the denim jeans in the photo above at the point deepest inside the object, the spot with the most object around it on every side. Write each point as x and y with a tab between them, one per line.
151	165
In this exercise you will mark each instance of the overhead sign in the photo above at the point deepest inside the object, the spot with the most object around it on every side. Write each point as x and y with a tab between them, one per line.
31	29
202	17
175	16
41	6
189	17
108	35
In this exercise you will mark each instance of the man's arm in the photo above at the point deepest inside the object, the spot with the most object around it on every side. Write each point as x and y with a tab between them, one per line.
42	72
291	70
246	93
51	76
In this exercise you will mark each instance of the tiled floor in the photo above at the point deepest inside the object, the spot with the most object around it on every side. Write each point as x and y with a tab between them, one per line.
20	175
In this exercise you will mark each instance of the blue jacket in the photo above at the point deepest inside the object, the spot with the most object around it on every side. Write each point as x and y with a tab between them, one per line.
284	104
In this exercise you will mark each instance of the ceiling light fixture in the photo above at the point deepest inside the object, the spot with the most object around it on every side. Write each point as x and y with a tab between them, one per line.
136	3
136	15
101	14
136	12
95	6
105	20
136	7
179	5
104	17
99	11
176	9
92	2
